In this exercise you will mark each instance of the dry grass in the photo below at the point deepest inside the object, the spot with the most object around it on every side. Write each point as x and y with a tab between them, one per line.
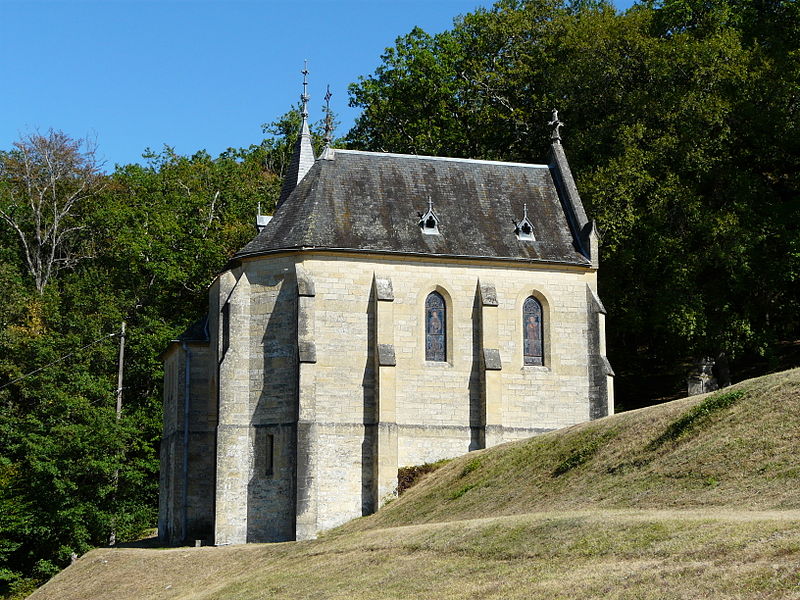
694	499
581	554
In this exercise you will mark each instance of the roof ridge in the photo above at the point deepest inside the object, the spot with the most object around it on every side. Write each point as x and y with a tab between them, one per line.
444	158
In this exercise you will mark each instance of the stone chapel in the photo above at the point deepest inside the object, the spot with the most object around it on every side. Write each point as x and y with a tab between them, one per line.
395	310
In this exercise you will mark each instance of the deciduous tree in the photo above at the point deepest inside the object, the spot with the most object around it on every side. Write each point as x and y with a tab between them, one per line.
44	182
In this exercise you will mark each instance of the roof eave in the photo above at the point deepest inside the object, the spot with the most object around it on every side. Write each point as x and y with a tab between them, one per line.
582	263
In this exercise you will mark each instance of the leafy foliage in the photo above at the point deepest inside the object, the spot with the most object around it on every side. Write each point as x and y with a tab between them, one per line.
70	472
682	122
682	128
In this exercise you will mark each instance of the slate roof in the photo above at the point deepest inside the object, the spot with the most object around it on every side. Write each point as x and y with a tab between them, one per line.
196	332
372	202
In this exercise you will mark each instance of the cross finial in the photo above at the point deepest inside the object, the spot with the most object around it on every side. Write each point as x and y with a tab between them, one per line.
430	204
304	98
328	118
525	210
555	124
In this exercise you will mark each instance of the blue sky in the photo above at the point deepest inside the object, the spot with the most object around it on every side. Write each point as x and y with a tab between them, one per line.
194	75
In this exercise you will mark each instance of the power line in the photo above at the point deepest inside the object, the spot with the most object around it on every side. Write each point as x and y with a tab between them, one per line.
58	360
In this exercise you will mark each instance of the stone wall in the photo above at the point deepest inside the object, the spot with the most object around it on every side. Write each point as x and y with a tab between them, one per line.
187	452
170	529
325	390
439	409
256	437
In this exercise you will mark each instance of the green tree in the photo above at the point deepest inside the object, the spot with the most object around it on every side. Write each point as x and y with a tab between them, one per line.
159	234
677	119
46	181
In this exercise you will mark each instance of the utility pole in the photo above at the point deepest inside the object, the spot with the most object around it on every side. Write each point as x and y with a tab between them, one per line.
119	370
112	538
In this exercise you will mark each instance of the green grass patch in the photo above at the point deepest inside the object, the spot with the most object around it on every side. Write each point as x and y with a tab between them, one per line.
696	417
462	490
470	467
582	453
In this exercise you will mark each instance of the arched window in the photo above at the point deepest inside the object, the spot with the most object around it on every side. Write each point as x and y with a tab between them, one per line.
532	331
435	328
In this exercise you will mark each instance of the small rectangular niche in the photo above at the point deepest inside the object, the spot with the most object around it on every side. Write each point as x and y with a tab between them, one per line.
226	328
269	455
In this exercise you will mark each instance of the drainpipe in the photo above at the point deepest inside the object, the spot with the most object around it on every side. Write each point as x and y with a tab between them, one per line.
186	386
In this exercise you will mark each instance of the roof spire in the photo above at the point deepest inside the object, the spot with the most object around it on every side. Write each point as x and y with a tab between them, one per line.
327	151
304	97
303	156
555	124
328	118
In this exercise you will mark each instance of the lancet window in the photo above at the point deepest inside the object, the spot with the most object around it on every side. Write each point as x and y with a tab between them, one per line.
435	328
532	331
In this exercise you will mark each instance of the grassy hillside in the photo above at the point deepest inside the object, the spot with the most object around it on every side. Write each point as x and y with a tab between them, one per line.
737	448
695	499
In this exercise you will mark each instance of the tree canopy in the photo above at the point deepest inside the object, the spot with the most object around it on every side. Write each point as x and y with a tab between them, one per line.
682	121
151	238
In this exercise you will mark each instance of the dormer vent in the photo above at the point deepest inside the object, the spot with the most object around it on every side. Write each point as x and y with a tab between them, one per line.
429	222
524	228
262	220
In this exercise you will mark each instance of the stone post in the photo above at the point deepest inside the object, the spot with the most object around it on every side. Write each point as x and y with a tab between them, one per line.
702	380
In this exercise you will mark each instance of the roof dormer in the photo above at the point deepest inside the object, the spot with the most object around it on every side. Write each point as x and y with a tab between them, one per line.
429	222
524	228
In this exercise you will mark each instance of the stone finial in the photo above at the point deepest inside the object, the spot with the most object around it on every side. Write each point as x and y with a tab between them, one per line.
555	124
328	118
304	97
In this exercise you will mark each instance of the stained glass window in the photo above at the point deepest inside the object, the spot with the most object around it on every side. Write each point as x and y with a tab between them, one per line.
435	330
532	331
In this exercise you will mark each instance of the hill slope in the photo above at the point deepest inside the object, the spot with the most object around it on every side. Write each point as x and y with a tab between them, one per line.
697	498
736	448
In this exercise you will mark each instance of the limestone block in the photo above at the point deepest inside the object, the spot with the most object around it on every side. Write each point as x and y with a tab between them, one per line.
307	352
491	359
386	356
